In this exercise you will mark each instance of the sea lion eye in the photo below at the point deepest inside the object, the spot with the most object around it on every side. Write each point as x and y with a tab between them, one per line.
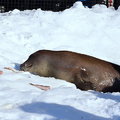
28	65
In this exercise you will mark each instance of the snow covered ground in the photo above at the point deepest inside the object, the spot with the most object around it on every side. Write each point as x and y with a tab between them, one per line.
93	31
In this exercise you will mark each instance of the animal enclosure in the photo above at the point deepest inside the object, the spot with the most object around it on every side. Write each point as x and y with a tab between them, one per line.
53	5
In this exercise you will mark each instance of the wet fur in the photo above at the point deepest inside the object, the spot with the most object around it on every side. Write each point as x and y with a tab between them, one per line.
86	72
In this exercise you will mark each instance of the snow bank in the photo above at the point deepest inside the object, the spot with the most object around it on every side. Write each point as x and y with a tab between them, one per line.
90	31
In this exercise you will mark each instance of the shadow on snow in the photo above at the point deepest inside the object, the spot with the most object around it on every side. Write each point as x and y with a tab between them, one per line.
17	66
59	112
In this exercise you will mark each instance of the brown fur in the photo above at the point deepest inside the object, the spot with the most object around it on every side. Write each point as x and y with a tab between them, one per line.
86	72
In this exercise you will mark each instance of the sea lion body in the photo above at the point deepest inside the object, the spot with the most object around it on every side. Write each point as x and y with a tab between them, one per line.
86	72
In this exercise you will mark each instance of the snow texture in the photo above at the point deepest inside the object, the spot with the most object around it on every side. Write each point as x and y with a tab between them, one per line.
94	32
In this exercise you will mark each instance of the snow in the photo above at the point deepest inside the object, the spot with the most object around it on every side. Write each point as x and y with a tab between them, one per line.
93	31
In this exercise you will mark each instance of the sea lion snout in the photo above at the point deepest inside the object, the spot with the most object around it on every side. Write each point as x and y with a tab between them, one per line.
25	66
22	66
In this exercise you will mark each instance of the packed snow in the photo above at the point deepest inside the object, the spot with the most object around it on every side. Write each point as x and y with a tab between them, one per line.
94	32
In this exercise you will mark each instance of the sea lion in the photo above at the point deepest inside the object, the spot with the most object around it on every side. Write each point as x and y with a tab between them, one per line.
86	72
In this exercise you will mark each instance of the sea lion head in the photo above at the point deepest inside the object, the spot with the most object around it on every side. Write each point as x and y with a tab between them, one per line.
26	66
30	64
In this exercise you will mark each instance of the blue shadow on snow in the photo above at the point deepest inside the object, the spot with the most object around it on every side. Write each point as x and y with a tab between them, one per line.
59	112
